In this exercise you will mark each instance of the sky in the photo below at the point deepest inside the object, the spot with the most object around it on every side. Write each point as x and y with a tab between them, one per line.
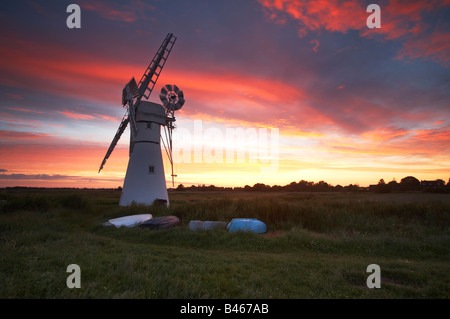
276	90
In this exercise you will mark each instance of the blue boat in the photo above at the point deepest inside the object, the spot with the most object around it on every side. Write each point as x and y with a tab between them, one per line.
248	225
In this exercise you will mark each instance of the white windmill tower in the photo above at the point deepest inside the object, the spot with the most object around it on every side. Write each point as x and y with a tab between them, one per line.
145	181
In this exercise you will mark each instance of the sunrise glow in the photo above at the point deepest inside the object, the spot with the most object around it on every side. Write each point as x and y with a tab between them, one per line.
351	105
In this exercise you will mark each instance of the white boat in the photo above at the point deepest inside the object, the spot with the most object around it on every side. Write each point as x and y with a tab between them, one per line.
129	221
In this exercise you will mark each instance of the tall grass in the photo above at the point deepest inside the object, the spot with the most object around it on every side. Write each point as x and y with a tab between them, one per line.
43	203
281	212
328	216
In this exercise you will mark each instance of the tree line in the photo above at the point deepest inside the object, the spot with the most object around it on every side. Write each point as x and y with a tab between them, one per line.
409	183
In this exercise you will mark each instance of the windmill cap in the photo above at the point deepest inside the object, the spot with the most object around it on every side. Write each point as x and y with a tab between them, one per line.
151	112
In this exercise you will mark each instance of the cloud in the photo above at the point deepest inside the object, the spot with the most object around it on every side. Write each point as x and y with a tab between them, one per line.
108	118
81	116
61	71
384	134
429	144
22	135
24	110
124	13
3	170
14	96
316	44
108	12
77	116
339	16
37	176
235	95
57	178
400	20
435	46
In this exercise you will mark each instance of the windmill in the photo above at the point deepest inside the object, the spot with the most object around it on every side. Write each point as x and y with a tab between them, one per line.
145	181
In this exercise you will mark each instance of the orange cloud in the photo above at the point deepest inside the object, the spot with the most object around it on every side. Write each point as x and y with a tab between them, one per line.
24	110
60	158
430	144
81	116
12	120
77	116
108	118
22	135
385	134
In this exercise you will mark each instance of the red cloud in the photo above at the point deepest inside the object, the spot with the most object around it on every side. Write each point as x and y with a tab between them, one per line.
228	95
435	46
316	44
108	12
22	135
57	70
77	116
399	19
122	13
81	116
24	110
338	16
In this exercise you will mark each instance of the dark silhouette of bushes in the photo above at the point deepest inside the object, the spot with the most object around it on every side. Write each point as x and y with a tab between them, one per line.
407	184
42	203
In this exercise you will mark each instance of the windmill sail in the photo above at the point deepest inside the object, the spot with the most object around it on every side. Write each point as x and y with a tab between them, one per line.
132	93
119	133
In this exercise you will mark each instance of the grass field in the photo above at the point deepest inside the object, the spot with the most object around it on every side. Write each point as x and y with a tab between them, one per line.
318	245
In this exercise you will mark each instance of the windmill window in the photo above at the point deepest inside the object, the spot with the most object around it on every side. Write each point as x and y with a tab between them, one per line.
149	125
151	169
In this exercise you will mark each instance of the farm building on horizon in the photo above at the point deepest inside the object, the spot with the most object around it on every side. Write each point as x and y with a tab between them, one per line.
426	185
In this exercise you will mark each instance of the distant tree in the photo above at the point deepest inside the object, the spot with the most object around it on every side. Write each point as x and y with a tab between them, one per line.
351	188
119	188
321	186
258	187
291	187
382	187
409	183
181	187
277	188
393	185
305	185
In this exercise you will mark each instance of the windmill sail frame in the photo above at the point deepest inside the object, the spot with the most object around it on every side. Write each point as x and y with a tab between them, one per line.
147	83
